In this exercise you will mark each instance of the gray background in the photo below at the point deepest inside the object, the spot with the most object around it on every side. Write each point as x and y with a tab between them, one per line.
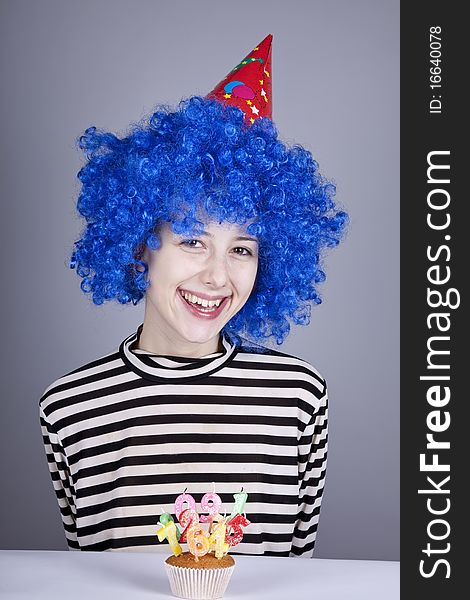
66	65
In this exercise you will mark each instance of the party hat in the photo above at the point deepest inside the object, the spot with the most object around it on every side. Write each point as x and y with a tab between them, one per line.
248	85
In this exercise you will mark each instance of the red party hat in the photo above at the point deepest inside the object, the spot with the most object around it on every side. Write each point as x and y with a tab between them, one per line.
248	85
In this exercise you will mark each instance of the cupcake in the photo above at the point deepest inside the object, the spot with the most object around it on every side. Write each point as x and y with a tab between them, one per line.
203	579
204	571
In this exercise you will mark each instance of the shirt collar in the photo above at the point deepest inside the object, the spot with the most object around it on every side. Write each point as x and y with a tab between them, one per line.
172	368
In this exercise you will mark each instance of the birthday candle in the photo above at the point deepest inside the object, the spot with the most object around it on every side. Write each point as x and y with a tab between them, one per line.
234	533
198	542
187	518
240	500
166	518
217	540
168	532
211	503
179	502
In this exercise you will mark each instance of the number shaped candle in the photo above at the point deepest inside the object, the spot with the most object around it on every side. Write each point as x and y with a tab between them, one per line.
240	500
211	503
234	533
168	532
187	518
179	502
198	542
217	540
165	518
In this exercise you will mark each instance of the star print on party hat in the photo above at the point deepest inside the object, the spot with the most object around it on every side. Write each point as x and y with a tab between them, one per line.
248	85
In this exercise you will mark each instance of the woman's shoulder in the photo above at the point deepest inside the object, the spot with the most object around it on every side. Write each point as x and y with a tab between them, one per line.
68	385
282	364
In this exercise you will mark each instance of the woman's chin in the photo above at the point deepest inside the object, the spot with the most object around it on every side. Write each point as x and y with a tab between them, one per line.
197	328
200	335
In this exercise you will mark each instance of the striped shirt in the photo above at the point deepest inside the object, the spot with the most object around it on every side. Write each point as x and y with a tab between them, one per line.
127	433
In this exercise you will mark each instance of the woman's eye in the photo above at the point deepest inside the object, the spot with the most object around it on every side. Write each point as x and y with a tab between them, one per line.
243	251
191	243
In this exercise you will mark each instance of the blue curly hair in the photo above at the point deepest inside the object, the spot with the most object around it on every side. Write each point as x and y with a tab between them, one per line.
204	155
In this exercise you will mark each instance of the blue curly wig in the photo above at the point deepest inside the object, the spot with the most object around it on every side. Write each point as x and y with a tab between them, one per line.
204	155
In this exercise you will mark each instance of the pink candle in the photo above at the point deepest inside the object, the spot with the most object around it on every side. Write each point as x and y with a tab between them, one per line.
210	503
181	500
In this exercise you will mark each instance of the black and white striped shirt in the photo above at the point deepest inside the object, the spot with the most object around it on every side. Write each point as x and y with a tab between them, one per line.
127	433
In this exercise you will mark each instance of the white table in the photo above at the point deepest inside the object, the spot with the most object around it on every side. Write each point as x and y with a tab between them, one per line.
68	575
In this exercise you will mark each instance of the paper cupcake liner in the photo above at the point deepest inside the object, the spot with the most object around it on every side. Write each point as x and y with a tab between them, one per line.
198	584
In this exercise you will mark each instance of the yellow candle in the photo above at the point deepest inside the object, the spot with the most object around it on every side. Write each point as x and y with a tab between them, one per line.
215	519
217	540
169	532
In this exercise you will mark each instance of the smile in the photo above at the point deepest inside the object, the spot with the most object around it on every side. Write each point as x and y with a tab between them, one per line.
203	307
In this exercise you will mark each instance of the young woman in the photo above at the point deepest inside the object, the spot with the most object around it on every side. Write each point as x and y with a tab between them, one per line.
221	228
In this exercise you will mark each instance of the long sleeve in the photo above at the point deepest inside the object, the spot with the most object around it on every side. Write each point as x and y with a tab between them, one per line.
61	480
312	456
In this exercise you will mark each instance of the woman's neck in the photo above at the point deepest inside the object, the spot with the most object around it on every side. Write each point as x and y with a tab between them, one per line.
155	339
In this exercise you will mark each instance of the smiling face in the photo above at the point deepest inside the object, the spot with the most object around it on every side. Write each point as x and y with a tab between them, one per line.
197	284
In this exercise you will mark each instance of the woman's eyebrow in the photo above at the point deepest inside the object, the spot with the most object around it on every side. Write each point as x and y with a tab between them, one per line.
240	238
246	239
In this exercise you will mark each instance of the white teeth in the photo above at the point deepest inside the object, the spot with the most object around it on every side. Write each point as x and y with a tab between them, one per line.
201	301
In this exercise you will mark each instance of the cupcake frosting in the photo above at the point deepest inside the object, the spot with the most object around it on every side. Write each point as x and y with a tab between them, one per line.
208	561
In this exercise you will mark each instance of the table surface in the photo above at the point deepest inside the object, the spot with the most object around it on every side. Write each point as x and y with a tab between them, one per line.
41	575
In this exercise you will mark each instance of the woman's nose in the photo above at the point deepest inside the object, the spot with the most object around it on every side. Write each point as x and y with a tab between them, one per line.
215	272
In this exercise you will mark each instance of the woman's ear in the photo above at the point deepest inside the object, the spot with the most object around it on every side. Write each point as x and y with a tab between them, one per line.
141	253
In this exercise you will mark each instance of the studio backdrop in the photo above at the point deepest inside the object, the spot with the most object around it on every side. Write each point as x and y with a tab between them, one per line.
67	65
